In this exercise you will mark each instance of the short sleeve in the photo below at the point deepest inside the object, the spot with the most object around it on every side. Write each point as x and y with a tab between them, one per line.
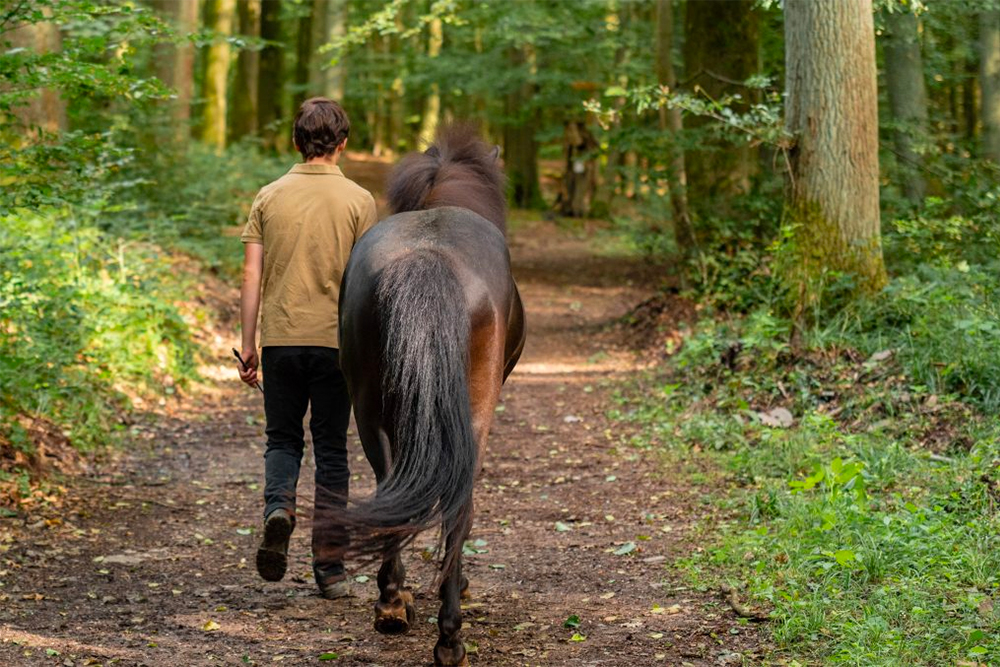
254	231
367	217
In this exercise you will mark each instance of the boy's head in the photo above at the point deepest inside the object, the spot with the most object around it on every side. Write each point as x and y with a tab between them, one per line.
320	127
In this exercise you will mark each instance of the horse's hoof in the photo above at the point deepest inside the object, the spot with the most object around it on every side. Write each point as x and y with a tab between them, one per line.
451	656
396	617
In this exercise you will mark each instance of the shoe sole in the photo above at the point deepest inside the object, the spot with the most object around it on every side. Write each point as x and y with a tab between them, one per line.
272	556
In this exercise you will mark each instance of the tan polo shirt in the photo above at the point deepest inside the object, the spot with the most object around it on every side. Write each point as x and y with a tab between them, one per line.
308	221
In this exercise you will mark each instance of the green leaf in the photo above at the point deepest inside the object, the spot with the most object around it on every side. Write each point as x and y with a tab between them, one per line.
561	527
615	91
577	637
329	656
572	621
977	650
844	556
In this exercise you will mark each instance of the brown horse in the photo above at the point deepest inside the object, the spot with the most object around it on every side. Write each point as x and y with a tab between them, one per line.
431	324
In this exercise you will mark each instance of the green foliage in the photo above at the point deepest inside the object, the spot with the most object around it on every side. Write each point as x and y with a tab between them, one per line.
867	527
86	320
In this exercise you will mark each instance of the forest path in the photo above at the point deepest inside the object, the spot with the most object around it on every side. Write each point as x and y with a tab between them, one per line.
152	563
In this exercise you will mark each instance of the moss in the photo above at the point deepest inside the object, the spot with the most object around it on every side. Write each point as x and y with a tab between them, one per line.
820	266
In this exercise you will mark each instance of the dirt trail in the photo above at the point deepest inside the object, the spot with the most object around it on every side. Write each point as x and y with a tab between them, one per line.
152	562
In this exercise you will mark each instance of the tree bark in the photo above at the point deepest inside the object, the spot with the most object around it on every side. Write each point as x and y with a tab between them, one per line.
989	82
672	123
175	63
832	114
336	27
904	75
220	18
270	77
520	147
720	52
243	112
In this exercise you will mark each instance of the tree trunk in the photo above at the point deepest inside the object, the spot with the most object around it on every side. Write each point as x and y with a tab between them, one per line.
219	16
904	75
303	60
969	102
243	114
832	113
989	82
671	121
270	77
432	107
520	147
720	52
45	112
175	63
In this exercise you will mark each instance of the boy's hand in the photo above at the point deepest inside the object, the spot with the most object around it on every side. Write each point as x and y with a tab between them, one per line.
249	374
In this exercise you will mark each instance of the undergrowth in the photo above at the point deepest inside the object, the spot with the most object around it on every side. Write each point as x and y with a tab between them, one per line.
859	453
868	525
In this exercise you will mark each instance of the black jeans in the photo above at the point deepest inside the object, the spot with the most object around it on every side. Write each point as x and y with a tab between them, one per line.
296	377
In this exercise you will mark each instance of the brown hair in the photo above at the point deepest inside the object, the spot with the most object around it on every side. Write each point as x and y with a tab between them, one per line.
320	126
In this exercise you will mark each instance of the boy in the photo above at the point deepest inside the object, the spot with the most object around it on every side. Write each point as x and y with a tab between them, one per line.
299	235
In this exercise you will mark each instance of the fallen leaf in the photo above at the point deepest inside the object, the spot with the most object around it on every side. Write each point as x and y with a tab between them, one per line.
626	548
210	626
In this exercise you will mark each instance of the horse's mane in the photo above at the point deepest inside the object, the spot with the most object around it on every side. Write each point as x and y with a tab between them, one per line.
459	169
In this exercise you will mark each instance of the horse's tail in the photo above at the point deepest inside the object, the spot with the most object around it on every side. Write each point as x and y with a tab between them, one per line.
425	358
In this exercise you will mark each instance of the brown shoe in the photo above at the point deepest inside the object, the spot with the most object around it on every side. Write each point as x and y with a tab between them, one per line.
272	555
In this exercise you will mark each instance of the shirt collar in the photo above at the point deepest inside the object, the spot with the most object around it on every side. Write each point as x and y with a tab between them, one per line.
315	168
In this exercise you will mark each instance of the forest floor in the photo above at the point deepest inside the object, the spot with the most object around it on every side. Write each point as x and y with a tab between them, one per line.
150	562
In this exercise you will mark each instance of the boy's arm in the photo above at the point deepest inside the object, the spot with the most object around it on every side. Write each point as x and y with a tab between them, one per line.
253	268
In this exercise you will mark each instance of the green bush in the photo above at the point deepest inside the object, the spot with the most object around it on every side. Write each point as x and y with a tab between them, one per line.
85	319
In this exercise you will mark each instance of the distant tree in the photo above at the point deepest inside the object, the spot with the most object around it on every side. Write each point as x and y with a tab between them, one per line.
904	75
671	121
270	76
832	115
720	52
432	107
519	143
219	17
174	62
45	111
243	110
989	81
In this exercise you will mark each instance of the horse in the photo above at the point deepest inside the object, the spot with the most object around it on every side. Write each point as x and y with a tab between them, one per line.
431	324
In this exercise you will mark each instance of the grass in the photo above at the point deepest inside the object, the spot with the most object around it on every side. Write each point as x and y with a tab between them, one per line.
869	526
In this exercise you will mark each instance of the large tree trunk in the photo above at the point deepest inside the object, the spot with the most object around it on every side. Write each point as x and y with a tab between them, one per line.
520	147
175	63
832	114
671	122
904	75
270	77
989	82
432	107
219	16
243	114
720	52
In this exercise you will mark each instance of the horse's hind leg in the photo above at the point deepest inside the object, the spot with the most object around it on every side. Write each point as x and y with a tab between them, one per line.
394	611
450	650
